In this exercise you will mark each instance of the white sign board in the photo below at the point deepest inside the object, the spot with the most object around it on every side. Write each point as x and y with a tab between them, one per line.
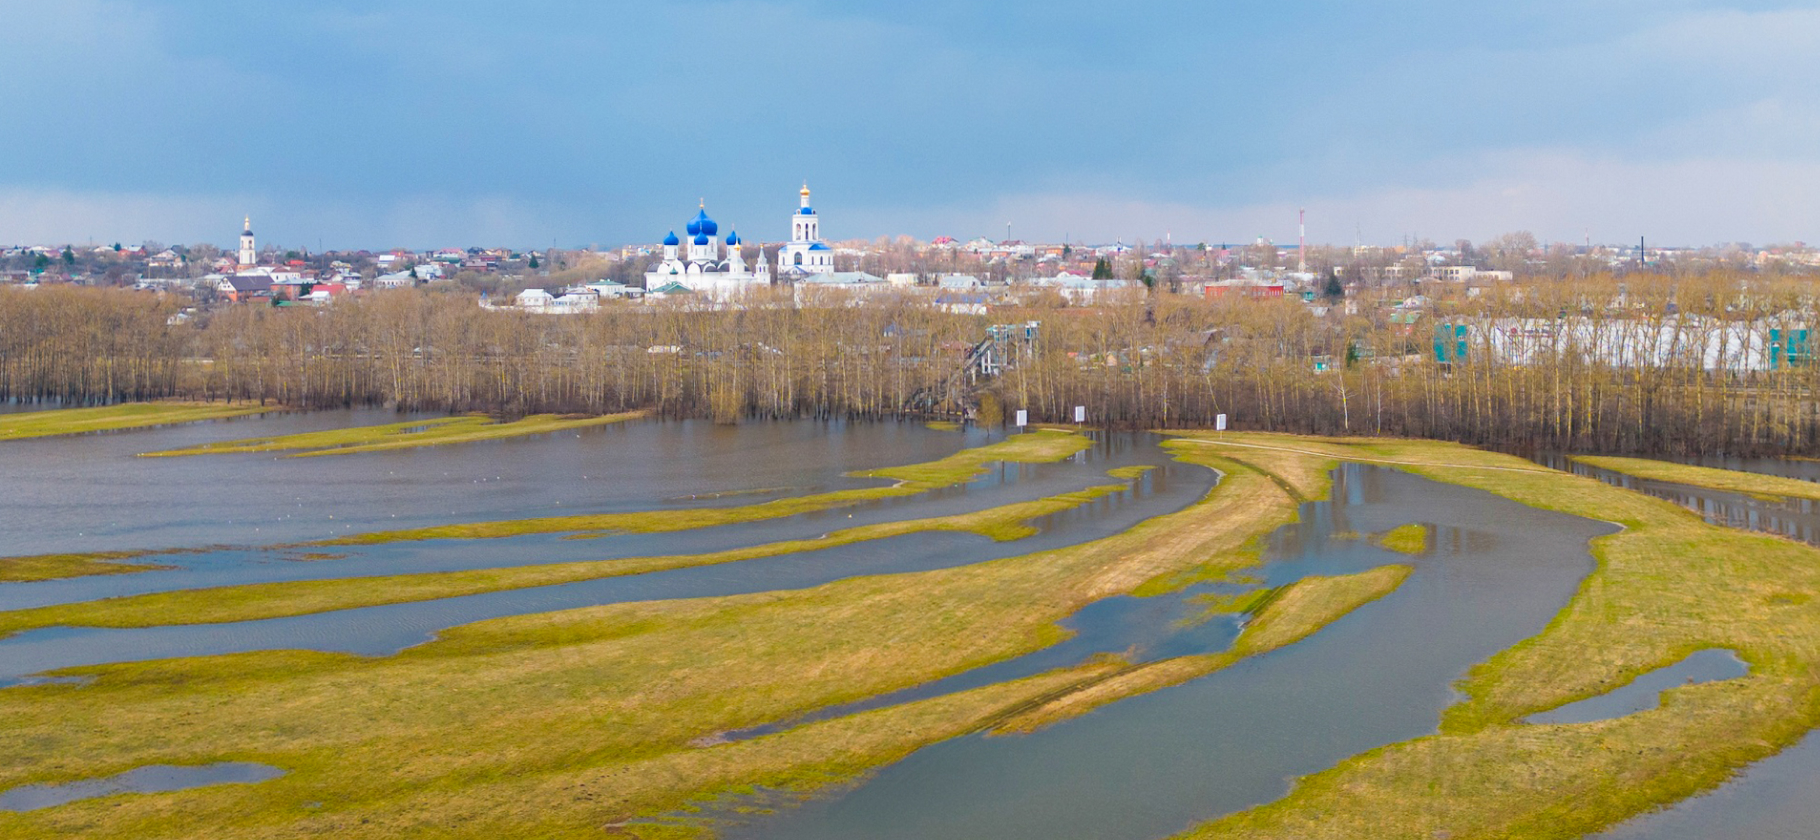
1219	423
1080	414
1023	418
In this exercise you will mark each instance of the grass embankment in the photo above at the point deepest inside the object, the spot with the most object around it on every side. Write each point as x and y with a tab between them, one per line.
1281	618
75	421
1409	539
410	434
56	566
1667	585
555	725
963	466
1750	484
253	602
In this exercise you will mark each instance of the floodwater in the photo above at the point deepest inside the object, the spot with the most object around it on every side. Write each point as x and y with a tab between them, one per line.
1156	764
155	778
89	493
1773	799
1645	692
1797	519
1001	485
381	630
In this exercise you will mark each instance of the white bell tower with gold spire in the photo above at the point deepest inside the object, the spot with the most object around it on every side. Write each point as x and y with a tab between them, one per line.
249	252
806	253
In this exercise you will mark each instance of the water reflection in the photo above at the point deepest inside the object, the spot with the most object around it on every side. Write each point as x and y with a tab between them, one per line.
1797	519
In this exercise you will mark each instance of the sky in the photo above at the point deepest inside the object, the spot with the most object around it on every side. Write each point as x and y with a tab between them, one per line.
449	123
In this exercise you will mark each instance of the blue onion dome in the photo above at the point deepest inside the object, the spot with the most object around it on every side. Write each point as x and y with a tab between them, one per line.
732	237
806	211
671	241
705	226
694	227
701	239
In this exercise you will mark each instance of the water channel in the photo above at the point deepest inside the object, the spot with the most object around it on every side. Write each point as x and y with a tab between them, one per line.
1154	765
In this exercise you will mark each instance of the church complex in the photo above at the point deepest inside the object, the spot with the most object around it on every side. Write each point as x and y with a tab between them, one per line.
697	261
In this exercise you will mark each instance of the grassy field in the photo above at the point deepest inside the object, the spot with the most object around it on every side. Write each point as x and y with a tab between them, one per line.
55	566
1667	585
1751	484
410	434
75	421
554	725
963	466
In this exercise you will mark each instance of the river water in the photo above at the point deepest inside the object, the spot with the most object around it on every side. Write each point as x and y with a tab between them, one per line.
1153	765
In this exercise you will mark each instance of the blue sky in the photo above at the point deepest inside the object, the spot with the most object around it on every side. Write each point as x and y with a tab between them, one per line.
456	122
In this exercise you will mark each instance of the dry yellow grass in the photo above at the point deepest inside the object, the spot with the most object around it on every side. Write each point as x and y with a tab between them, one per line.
409	434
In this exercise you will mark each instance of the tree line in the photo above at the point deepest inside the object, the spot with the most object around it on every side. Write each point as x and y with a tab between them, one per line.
1644	363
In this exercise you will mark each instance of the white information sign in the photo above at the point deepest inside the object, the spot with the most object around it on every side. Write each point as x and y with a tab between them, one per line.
1080	414
1023	418
1219	423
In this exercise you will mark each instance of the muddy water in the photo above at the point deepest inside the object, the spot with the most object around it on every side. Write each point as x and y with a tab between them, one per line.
1002	484
89	492
1153	765
386	629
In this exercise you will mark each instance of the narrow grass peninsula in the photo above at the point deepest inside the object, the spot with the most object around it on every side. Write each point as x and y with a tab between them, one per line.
113	418
408	434
1751	484
57	566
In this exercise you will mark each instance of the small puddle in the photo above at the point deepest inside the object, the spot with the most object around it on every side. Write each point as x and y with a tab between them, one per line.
155	778
1645	692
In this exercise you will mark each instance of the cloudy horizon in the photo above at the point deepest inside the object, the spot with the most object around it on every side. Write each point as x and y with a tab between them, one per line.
418	124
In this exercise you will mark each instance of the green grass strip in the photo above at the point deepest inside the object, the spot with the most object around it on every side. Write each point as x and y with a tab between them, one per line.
76	421
409	434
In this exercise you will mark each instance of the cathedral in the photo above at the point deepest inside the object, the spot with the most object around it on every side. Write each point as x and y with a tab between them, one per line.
698	262
703	268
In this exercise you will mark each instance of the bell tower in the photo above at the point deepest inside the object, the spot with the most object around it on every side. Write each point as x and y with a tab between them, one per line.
249	252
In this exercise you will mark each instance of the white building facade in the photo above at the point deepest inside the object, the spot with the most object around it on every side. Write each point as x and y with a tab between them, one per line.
805	254
704	267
